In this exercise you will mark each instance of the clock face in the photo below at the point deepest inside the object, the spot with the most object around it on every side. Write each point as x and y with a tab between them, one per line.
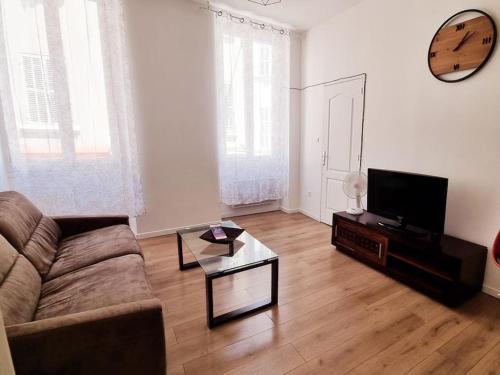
462	46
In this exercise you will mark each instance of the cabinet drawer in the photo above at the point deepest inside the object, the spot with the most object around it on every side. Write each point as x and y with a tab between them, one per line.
362	241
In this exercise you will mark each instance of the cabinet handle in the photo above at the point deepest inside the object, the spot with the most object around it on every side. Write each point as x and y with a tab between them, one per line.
335	230
380	251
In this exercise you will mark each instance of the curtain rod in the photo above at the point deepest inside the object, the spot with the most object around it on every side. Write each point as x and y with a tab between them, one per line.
219	13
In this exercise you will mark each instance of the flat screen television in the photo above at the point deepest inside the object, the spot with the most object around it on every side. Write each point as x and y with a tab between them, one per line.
409	198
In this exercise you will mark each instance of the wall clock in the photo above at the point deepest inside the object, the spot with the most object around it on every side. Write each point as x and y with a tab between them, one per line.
462	45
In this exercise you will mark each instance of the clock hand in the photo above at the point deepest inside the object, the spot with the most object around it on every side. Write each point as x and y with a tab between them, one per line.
467	36
470	36
461	42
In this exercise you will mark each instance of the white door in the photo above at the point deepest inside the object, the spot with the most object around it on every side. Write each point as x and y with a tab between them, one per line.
342	136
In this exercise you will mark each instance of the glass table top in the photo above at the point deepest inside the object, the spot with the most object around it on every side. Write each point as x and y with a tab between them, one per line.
215	258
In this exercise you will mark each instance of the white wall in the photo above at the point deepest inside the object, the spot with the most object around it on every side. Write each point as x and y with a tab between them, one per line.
413	121
172	50
310	147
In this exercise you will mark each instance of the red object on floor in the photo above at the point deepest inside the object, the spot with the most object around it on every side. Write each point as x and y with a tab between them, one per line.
496	250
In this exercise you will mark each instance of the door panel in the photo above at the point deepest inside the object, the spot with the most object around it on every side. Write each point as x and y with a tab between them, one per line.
339	145
342	132
335	195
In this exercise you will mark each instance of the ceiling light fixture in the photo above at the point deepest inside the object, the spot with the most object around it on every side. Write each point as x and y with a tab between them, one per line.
265	2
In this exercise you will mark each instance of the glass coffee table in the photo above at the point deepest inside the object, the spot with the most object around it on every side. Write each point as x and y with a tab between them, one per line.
216	261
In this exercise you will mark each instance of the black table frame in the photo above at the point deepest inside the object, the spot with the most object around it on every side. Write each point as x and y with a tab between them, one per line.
213	321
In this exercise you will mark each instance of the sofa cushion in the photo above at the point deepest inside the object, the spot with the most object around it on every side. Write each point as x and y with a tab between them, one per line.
111	282
18	218
20	285
32	234
88	248
42	247
8	256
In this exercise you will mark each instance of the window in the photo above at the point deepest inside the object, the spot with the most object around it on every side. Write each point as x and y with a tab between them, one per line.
39	132
67	114
253	99
242	137
235	130
57	79
39	85
262	101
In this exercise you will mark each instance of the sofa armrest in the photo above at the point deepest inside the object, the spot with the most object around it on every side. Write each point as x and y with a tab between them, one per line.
122	339
71	225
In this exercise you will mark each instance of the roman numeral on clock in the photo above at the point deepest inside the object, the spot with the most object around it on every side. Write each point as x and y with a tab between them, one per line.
460	26
456	66
487	40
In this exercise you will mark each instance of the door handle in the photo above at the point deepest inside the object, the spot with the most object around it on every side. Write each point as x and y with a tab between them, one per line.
324	158
379	251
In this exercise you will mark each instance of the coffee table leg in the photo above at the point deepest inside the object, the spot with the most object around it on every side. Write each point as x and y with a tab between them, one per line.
274	281
183	266
210	301
243	311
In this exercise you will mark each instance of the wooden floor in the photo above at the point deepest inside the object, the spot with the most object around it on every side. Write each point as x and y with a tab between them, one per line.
335	315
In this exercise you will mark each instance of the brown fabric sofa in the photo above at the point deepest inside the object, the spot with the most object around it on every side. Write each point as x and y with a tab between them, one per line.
74	294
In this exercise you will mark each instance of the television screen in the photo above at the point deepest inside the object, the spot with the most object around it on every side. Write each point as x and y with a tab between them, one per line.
419	199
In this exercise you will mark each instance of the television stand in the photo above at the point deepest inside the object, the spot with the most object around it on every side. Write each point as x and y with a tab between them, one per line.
400	228
446	268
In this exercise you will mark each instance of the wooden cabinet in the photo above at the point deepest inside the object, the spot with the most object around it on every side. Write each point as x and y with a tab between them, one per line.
446	268
369	244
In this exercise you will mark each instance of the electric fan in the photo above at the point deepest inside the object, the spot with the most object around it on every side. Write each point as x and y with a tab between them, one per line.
355	187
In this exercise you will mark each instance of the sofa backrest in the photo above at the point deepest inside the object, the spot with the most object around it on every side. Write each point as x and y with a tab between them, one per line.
33	235
20	285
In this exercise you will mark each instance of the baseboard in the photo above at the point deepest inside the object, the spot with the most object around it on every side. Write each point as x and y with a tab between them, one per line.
228	212
491	291
290	210
166	232
307	213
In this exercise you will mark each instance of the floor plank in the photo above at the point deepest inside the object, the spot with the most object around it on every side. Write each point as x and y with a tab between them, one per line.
281	361
489	364
348	352
402	356
372	318
334	316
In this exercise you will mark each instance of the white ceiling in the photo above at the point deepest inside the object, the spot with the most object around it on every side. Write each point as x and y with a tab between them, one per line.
295	14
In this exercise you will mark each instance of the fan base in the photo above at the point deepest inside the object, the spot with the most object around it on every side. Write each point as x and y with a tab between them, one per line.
355	211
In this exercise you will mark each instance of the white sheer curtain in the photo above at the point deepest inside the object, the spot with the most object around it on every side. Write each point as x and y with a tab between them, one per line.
253	73
67	119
